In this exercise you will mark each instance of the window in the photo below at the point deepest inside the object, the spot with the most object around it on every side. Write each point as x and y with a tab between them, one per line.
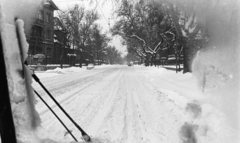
39	49
37	31
40	15
48	51
33	31
49	34
48	17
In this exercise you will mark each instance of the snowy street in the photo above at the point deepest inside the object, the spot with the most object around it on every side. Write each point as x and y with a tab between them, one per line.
155	71
119	103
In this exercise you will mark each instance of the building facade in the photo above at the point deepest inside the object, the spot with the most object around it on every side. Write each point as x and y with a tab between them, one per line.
41	38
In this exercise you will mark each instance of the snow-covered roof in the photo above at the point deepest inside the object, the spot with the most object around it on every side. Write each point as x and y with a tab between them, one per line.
71	55
56	41
52	4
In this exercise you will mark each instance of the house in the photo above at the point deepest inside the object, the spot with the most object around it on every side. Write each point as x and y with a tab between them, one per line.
41	40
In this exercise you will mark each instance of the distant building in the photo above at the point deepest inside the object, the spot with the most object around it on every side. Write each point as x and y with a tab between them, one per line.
41	39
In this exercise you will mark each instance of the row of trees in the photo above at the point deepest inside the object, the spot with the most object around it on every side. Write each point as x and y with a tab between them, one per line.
84	34
152	29
113	55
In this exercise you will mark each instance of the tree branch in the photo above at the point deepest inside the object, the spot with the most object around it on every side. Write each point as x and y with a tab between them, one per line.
139	52
144	44
158	45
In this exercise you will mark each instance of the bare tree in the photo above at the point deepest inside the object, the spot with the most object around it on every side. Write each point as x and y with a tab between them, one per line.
191	36
146	23
113	55
99	41
71	20
86	27
78	23
160	27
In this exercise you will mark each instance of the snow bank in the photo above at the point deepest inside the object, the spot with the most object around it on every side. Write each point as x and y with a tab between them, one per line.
205	122
217	73
153	70
74	69
103	65
58	71
216	67
71	69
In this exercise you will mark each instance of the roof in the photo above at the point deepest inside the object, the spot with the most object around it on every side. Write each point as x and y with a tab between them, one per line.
52	4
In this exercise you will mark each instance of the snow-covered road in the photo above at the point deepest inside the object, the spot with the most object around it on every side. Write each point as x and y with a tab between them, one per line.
121	104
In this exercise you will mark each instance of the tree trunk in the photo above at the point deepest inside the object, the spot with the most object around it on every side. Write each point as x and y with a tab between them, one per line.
97	58
70	61
80	61
61	58
186	61
74	60
146	61
61	62
176	60
152	59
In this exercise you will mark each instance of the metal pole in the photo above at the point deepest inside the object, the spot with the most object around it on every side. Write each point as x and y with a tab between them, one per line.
55	115
85	136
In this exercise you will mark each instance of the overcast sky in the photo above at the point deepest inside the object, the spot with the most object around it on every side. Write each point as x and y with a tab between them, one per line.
105	9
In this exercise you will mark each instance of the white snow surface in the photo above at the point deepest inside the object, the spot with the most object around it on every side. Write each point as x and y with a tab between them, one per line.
121	104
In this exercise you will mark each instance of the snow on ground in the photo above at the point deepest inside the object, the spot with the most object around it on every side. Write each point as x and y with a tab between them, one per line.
58	71
121	104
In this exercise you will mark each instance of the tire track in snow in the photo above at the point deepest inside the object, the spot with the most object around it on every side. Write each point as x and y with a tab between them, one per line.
97	105
143	114
122	123
65	104
124	107
66	82
71	88
66	99
70	99
108	98
112	126
136	130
